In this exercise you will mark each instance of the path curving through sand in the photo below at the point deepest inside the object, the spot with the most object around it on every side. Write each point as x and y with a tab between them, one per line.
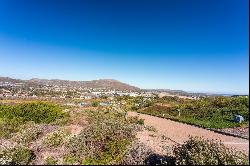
179	132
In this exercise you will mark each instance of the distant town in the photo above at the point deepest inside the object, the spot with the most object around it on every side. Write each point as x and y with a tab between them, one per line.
36	88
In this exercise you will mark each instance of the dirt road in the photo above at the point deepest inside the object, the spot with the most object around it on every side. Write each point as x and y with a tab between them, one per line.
177	132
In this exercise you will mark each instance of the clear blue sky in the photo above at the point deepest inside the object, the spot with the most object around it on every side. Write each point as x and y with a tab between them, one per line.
193	45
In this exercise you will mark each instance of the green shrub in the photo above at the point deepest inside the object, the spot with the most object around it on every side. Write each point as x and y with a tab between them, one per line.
50	161
95	104
8	127
114	152
94	138
55	139
27	133
39	112
198	151
140	122
71	159
16	156
103	140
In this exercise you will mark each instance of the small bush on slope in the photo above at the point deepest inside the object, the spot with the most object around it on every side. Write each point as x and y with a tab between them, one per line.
8	126
56	138
137	154
27	133
51	161
39	112
71	159
95	104
105	140
198	151
16	156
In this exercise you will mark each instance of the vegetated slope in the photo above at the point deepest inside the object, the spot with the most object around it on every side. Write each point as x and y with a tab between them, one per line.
101	83
211	112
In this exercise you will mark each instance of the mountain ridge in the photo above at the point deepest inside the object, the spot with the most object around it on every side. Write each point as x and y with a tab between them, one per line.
100	83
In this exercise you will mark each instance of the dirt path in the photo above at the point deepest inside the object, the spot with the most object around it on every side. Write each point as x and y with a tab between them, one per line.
171	132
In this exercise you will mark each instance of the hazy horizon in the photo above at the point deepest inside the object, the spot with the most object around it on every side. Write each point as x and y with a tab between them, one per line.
195	46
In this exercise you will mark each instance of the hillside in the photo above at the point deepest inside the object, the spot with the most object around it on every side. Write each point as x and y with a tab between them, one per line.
101	83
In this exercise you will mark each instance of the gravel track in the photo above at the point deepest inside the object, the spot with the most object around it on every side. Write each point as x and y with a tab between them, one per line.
179	132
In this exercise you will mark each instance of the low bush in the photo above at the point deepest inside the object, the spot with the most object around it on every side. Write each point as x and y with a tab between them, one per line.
56	138
114	152
104	140
140	122
198	151
8	127
135	119
150	128
137	154
27	133
16	156
95	104
50	161
39	112
12	117
71	159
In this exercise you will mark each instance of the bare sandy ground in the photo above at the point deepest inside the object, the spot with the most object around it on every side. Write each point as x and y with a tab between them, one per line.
171	132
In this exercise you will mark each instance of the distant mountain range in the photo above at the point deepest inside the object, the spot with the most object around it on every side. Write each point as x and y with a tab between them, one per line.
101	83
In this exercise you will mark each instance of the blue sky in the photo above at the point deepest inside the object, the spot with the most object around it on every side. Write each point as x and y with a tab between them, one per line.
193	45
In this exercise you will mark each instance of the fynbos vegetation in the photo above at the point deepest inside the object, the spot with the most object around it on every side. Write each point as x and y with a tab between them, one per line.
198	151
209	112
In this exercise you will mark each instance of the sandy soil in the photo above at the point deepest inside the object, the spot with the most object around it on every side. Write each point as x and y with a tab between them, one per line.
171	132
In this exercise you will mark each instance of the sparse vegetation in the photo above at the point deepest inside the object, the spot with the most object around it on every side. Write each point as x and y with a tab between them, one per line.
150	128
50	161
56	138
104	141
27	133
136	120
71	159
